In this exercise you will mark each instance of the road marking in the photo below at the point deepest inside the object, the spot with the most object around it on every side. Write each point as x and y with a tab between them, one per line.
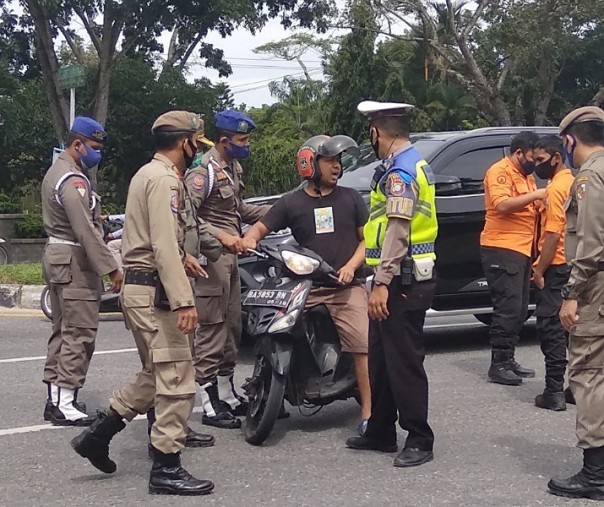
40	358
23	314
43	427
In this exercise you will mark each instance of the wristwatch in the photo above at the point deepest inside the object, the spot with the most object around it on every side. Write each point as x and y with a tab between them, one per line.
568	293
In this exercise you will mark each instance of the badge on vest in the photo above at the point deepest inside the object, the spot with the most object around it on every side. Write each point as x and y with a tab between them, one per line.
324	223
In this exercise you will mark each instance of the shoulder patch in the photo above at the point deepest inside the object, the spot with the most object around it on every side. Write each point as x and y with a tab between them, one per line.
581	188
174	203
395	185
198	182
581	179
80	186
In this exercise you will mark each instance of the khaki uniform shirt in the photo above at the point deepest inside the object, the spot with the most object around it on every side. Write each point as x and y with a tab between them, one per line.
584	246
71	211
223	208
154	227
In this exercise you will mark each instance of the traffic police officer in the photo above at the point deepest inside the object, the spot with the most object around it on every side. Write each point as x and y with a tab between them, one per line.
582	311
159	309
216	189
399	236
75	259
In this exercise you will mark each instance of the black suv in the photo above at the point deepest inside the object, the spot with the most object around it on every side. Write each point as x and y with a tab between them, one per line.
459	161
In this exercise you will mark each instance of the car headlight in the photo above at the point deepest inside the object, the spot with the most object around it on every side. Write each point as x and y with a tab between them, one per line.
284	322
298	263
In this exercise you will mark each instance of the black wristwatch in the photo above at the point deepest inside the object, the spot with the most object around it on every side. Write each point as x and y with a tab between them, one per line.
568	293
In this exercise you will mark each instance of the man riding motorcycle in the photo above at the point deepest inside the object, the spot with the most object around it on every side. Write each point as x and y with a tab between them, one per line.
329	220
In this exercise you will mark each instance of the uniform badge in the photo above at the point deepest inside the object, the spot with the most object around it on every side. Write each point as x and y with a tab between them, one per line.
80	186
397	185
502	180
174	203
198	182
581	188
242	127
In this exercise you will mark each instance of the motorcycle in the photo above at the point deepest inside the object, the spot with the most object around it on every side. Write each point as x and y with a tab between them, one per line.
297	350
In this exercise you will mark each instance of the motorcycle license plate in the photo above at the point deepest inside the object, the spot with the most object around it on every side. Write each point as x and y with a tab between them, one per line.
259	297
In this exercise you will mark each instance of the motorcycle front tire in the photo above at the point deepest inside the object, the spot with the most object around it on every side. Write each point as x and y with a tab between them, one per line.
259	422
45	302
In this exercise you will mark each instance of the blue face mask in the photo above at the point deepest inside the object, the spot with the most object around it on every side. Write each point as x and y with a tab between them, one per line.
238	152
570	153
92	157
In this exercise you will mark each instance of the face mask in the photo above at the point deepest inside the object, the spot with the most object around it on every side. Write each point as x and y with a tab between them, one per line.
570	153
375	144
189	158
238	152
92	157
528	166
545	170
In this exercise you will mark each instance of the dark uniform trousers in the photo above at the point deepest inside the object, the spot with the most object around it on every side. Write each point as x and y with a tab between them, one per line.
551	334
218	333
508	275
75	298
399	384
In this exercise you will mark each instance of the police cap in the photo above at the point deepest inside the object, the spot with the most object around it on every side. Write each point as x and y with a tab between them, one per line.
373	109
178	121
581	115
234	121
89	128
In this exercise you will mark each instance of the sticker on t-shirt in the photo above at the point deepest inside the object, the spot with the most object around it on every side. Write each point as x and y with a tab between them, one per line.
324	220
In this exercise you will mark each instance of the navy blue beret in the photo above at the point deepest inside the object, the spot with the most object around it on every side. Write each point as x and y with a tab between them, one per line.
89	128
234	121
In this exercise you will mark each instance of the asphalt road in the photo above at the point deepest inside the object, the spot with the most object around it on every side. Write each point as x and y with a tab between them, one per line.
493	447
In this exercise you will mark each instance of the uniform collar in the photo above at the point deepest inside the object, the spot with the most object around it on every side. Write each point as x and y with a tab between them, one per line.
167	162
594	155
407	146
564	171
70	160
515	167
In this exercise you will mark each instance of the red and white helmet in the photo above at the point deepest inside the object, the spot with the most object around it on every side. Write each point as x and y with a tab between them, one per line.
322	146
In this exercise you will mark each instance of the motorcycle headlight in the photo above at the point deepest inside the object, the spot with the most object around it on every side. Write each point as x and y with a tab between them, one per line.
298	263
284	322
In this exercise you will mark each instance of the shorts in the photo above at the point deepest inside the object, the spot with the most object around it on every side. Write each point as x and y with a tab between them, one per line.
347	307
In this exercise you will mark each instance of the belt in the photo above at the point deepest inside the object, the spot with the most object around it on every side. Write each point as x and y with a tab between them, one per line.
137	277
58	241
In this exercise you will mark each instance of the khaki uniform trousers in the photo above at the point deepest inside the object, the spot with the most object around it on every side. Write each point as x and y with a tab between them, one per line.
75	299
218	333
586	364
167	379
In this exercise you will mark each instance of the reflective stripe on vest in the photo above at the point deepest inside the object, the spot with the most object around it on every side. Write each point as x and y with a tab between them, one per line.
65	177
424	226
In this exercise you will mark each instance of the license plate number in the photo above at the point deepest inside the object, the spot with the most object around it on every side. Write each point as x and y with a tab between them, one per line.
259	297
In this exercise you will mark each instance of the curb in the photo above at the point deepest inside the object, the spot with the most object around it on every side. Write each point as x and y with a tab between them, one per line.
21	296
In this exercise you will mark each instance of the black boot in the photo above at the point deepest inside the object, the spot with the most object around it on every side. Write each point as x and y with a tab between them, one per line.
168	477
588	483
551	401
93	443
227	393
194	439
216	412
521	371
501	371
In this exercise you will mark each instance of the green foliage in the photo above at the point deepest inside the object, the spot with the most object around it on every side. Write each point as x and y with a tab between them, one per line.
8	205
22	274
30	227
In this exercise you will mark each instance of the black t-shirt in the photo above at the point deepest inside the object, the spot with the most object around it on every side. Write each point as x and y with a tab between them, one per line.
326	225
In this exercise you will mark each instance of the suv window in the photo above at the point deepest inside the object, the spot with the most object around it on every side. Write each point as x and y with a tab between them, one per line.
471	167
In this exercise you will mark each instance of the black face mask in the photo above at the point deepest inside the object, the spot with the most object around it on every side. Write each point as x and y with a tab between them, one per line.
528	166
375	144
546	169
189	158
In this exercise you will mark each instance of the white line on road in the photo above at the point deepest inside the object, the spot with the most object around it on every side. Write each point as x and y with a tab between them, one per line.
48	426
40	358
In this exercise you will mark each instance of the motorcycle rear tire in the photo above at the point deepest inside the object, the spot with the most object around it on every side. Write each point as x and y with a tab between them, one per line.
259	425
45	302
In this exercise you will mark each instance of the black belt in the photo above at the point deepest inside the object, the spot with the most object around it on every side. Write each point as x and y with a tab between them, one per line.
137	277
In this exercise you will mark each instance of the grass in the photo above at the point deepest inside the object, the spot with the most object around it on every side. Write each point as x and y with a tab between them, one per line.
22	274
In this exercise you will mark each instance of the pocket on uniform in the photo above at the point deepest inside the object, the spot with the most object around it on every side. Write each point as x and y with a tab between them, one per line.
226	191
59	266
138	312
174	373
209	303
81	307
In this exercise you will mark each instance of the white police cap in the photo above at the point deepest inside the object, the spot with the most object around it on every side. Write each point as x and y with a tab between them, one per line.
373	109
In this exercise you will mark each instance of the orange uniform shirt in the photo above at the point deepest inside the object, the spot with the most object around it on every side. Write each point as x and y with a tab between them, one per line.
553	214
515	231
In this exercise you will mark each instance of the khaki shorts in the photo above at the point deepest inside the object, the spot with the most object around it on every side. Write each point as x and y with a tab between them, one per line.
348	309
